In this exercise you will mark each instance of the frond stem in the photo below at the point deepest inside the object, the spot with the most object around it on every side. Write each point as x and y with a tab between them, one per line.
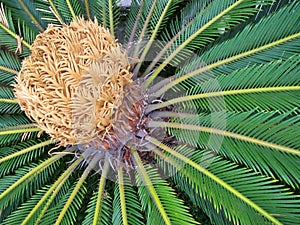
222	62
31	174
6	100
224	133
100	192
150	187
29	149
122	196
33	19
219	93
135	24
54	189
87	8
111	18
17	131
8	69
192	37
71	10
215	178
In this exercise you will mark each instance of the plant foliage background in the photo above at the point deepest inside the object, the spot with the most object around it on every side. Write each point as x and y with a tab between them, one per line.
252	49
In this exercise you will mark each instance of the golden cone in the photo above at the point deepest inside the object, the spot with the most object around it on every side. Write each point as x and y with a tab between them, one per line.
73	81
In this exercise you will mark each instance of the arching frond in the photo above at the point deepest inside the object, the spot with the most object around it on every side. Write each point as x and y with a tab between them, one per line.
99	210
9	67
127	209
20	154
192	33
222	179
243	49
157	199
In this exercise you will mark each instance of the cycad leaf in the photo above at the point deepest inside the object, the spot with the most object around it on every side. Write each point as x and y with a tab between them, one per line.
132	206
53	212
248	139
68	10
9	67
256	85
23	185
13	134
9	36
107	13
25	10
105	213
252	44
221	182
173	206
199	24
20	154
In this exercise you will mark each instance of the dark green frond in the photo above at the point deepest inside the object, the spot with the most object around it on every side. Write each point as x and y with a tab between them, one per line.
17	216
14	134
16	188
26	11
254	87
257	44
9	67
8	103
20	154
105	216
225	185
107	13
60	201
133	207
257	140
9	36
47	11
68	10
174	207
193	31
254	44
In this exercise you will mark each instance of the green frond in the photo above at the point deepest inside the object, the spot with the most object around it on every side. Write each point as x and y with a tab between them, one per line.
221	182
99	209
9	67
9	37
126	204
249	140
74	201
20	213
254	44
59	200
47	12
26	180
157	197
8	103
199	24
13	134
20	154
68	10
156	18
106	210
107	13
56	190
246	89
25	10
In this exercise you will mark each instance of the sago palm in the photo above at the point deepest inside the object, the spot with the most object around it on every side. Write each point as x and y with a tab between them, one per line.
149	114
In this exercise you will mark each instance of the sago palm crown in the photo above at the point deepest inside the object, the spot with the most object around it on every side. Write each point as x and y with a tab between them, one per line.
152	114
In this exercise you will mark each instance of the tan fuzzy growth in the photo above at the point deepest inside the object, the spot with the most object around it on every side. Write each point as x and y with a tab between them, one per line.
73	80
